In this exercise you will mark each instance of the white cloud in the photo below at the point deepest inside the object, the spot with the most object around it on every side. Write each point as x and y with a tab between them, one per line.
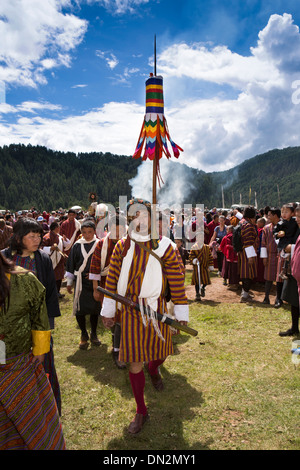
36	36
120	7
218	65
254	113
79	86
110	58
112	62
222	131
28	107
112	128
125	77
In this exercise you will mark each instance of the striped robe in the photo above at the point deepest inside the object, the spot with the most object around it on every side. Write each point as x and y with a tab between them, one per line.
249	239
295	264
205	257
95	267
29	417
269	251
141	343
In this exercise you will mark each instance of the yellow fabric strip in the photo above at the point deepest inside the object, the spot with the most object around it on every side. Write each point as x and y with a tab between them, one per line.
157	105
40	342
151	87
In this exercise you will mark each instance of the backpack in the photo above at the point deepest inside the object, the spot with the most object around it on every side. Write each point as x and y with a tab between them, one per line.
237	239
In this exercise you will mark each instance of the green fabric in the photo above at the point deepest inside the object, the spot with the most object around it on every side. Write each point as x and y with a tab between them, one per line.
27	311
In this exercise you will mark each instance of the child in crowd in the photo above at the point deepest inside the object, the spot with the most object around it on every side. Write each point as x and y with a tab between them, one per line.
230	265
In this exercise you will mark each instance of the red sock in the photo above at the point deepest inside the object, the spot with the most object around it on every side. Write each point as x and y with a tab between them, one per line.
138	384
154	365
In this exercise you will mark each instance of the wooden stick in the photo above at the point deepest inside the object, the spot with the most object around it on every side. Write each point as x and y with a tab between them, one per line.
130	303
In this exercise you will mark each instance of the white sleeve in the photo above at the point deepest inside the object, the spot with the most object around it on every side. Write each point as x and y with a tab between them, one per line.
181	312
47	249
108	308
292	250
70	278
94	277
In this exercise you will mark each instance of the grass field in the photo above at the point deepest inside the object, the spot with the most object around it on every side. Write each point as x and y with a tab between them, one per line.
232	387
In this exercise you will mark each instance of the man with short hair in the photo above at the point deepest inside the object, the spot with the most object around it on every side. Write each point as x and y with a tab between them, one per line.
98	272
140	267
53	245
70	228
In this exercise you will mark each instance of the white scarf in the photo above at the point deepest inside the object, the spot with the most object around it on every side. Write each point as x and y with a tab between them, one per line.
55	255
152	282
69	243
104	270
78	273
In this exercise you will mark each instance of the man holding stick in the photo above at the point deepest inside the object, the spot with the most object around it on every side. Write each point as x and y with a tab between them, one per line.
140	268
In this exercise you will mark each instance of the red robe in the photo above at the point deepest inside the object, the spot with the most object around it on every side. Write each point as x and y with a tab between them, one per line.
260	263
211	227
67	228
230	265
295	264
269	248
95	268
48	240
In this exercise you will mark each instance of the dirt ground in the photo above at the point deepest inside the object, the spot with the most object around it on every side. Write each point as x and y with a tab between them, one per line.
216	291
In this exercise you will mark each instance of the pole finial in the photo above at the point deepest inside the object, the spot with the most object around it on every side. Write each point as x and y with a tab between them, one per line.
154	55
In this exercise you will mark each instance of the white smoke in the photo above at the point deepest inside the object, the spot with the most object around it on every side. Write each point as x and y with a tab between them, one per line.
174	190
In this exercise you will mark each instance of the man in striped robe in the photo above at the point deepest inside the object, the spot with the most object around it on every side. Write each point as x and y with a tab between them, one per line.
137	274
98	272
247	257
203	262
268	252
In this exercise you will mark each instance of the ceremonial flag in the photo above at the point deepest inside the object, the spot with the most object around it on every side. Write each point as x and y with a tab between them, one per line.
154	133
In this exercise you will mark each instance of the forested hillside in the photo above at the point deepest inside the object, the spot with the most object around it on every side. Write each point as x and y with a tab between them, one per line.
46	179
35	176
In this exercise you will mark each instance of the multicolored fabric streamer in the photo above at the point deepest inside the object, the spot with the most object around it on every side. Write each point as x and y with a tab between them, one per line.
154	133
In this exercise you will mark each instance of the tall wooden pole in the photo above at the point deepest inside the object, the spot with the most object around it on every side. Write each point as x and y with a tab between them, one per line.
154	178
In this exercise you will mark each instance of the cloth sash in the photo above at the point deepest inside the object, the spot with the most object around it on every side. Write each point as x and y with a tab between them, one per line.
78	273
55	255
69	243
153	281
104	270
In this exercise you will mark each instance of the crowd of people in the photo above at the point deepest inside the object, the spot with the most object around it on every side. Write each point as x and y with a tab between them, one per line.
252	246
99	254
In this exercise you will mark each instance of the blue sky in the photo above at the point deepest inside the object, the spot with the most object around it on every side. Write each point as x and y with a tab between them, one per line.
72	75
